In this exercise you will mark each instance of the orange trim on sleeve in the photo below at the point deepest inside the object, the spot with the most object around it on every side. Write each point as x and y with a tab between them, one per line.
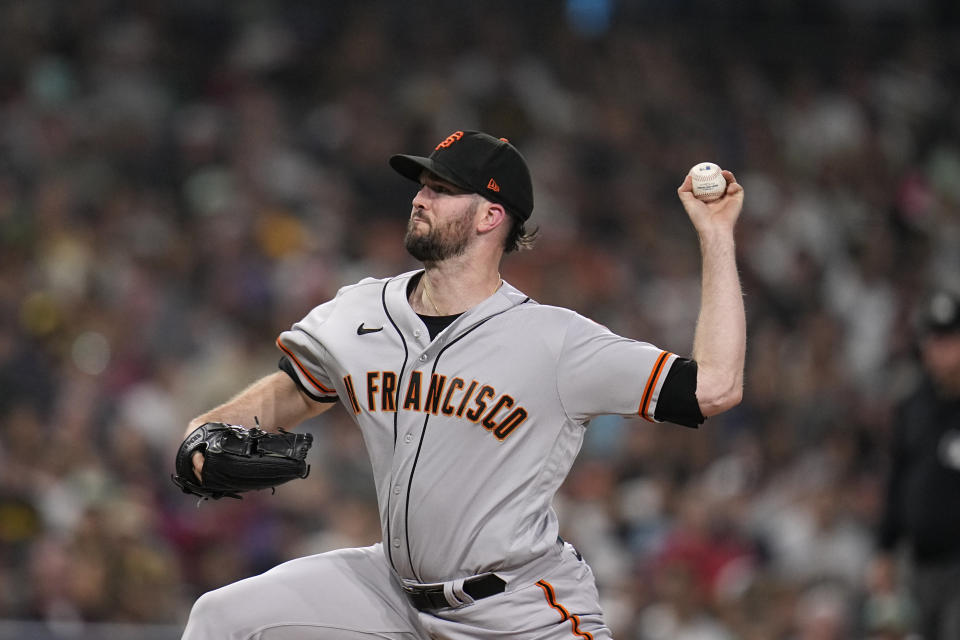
652	384
564	614
303	369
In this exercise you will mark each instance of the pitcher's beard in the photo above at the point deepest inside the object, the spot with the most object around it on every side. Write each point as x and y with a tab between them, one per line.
439	243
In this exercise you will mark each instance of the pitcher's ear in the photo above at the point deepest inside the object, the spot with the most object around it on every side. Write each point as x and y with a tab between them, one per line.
493	215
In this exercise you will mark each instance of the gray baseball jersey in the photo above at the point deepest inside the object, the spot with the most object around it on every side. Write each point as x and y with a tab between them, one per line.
469	434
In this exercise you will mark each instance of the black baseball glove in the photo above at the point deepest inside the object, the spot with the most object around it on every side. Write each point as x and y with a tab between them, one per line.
237	459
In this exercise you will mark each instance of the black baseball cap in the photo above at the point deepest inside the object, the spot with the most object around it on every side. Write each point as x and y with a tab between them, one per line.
940	313
479	163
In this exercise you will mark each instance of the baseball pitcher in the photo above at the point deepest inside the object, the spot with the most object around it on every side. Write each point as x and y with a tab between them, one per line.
473	401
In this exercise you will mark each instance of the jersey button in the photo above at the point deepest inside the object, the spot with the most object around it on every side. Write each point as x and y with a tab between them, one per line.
396	490
396	542
408	438
423	358
416	334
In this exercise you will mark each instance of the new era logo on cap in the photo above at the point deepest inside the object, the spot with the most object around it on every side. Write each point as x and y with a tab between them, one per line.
477	162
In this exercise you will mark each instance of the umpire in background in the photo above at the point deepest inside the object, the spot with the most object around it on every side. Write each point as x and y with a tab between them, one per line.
922	502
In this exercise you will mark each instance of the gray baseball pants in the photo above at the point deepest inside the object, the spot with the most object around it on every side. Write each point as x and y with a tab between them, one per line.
352	594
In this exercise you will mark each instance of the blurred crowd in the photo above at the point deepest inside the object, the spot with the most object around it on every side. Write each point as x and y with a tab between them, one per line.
180	182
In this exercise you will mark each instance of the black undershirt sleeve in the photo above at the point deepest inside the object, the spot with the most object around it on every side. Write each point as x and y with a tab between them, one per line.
678	395
287	367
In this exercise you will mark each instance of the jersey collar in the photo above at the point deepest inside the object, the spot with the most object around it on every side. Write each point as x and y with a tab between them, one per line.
398	307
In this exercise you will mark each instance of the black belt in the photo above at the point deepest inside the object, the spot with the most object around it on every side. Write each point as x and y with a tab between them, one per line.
431	597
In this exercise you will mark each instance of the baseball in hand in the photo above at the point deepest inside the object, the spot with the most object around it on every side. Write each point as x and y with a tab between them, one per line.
708	183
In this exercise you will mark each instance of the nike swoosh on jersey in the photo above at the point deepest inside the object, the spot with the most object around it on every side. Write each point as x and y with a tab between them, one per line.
362	330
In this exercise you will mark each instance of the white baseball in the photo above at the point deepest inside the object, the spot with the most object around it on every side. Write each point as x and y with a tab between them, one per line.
708	183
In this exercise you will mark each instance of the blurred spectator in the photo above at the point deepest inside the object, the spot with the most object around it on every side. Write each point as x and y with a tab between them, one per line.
922	507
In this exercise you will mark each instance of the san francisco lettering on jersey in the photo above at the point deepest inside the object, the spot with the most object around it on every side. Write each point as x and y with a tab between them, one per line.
454	397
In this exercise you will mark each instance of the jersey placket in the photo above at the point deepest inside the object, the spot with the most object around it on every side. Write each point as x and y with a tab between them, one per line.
411	430
411	426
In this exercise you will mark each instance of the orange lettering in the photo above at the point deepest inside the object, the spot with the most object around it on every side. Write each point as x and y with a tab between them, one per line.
450	139
412	399
372	388
351	394
511	422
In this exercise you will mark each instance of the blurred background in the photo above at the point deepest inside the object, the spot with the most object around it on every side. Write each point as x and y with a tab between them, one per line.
181	181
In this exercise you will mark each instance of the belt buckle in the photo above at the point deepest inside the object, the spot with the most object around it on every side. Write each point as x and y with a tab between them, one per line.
422	598
431	597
